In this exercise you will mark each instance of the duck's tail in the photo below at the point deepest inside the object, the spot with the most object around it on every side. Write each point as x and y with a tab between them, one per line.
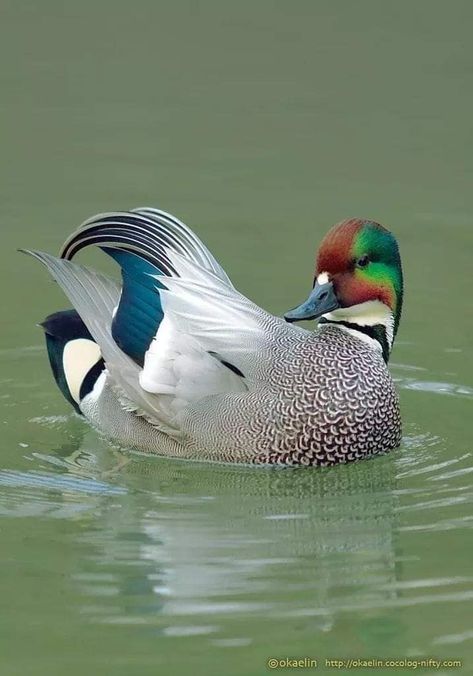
213	341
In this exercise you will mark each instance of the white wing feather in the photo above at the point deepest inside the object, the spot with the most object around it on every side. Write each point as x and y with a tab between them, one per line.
203	315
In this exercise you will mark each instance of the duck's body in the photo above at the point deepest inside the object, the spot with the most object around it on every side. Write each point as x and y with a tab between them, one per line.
186	366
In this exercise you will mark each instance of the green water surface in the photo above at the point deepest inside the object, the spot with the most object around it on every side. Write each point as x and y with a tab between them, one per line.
260	124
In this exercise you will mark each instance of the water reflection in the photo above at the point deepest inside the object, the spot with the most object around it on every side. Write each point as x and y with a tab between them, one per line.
167	539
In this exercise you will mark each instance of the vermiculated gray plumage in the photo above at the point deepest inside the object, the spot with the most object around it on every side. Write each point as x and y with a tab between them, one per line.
328	402
326	398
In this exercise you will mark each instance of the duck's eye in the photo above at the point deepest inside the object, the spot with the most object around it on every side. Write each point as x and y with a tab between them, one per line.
363	261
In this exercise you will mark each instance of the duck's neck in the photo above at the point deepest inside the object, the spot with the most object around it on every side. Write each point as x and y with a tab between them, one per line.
373	322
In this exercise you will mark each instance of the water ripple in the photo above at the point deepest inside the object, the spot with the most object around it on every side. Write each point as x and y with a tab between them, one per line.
441	387
58	482
453	639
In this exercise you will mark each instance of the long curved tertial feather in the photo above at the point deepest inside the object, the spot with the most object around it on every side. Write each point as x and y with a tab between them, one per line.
147	232
141	242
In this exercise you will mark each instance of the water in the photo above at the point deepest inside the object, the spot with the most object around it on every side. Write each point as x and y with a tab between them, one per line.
260	124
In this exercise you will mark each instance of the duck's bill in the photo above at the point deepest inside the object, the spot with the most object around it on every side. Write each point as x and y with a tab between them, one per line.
322	299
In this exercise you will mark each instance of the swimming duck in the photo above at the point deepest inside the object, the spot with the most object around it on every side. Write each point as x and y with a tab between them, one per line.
177	362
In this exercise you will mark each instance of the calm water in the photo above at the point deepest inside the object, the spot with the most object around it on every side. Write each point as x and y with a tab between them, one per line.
260	124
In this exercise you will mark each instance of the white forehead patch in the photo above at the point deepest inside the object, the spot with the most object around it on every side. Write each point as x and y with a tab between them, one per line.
78	358
322	278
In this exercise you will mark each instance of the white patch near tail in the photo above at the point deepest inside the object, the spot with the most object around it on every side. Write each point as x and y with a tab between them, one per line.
79	356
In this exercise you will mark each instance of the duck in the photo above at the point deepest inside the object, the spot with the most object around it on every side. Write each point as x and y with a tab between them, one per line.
175	361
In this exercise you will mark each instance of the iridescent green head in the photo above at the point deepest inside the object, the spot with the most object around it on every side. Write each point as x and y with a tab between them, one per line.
358	278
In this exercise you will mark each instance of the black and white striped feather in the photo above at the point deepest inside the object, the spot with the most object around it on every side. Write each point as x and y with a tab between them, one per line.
147	232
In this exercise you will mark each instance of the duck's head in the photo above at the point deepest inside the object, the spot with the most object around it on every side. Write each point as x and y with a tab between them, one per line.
75	357
358	282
